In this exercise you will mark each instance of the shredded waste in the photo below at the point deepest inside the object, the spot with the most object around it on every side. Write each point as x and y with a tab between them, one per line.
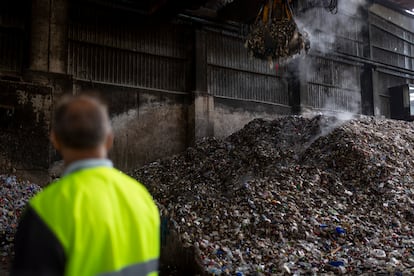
294	195
291	196
14	194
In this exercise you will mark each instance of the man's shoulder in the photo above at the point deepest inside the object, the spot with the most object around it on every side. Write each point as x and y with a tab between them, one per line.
85	183
52	191
116	174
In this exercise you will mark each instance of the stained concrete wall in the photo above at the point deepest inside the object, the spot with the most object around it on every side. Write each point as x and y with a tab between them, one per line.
48	42
232	115
147	133
24	126
148	125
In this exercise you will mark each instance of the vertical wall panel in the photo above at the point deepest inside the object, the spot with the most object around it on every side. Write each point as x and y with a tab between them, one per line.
114	50
12	34
391	44
233	74
331	85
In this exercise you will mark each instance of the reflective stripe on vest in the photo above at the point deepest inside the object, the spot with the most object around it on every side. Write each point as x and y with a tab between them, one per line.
136	270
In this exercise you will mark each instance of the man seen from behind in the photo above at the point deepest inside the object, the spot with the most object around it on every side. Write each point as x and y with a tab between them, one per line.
94	220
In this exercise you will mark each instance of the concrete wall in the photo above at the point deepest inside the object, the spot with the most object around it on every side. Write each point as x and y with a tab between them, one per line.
156	128
147	125
24	126
147	133
231	115
48	42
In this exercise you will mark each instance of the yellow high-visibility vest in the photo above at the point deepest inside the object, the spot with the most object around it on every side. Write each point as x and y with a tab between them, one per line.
106	222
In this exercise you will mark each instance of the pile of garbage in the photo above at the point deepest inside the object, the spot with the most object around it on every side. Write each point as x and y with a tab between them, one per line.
293	195
14	195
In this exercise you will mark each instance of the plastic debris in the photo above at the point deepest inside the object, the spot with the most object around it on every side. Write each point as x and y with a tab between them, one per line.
295	195
14	195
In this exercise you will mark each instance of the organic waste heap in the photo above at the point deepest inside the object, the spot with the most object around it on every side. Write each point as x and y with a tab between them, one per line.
293	195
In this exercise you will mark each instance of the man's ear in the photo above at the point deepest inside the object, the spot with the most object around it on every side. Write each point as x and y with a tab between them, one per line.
109	141
55	141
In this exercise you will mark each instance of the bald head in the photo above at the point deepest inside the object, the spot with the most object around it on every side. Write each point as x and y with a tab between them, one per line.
81	122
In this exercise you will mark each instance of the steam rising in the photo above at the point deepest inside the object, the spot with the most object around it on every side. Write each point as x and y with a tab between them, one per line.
324	27
333	88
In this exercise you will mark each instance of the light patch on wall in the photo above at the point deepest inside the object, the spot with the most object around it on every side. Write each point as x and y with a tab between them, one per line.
37	104
22	97
122	121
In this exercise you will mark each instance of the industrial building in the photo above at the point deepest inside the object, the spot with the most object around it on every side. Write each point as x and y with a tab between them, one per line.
177	71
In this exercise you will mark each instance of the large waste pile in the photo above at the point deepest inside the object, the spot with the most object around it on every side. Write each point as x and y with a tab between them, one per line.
294	195
14	195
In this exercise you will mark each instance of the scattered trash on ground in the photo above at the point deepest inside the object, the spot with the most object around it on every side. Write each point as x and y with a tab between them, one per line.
14	195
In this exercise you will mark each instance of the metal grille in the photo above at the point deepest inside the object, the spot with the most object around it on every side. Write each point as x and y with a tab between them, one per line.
246	85
117	66
391	44
12	31
332	85
11	50
341	32
128	54
331	73
233	74
336	99
349	35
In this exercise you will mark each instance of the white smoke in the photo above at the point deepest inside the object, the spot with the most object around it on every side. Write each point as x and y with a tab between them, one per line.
325	29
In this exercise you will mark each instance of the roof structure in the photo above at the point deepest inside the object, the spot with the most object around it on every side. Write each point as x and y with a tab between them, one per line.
234	10
405	4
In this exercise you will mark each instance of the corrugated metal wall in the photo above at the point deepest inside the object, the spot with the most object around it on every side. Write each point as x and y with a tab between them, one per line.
113	50
341	32
12	34
162	58
350	40
329	81
231	73
332	85
392	46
